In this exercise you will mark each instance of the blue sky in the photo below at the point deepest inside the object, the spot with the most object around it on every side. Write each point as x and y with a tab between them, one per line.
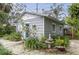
45	6
42	5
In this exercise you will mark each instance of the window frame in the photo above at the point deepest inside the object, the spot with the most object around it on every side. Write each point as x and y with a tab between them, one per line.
53	27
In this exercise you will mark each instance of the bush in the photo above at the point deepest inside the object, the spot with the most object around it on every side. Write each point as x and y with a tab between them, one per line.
1	31
42	45
13	36
43	39
9	29
62	41
16	36
31	43
4	51
77	34
34	43
6	30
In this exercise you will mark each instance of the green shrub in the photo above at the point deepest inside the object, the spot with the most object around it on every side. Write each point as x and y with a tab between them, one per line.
9	29
77	34
6	30
8	37
31	43
42	45
4	51
43	39
66	41
2	31
16	36
13	36
62	41
34	43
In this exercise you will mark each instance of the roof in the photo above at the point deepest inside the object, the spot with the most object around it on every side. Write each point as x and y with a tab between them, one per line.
55	20
44	15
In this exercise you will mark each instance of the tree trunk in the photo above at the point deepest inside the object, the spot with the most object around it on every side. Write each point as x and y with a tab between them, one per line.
72	29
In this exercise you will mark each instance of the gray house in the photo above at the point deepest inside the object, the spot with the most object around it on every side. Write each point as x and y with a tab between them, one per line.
34	24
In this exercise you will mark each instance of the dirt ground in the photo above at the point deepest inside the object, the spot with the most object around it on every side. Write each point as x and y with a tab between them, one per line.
17	48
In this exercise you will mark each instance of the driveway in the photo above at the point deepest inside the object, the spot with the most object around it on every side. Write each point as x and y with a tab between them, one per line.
17	48
74	47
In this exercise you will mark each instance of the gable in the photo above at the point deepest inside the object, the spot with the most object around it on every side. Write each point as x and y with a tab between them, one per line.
29	16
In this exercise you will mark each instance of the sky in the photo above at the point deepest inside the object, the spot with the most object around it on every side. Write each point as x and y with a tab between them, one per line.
46	6
41	5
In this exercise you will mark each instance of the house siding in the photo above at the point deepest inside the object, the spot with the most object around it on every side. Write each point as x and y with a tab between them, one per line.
48	28
43	25
38	21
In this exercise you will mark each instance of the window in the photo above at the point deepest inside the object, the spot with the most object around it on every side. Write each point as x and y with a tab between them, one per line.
60	28
53	27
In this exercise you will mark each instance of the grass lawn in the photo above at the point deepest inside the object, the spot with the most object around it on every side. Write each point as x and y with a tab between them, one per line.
4	51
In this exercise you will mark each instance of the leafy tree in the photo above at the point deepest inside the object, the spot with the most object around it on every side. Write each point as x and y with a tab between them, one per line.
5	8
74	10
72	19
74	14
74	23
